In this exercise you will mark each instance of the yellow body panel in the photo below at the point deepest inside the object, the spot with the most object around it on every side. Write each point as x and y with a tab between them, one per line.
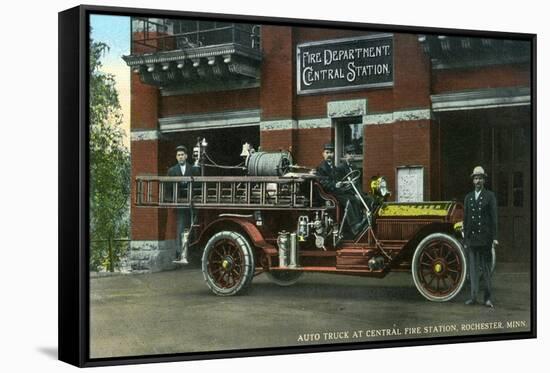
415	209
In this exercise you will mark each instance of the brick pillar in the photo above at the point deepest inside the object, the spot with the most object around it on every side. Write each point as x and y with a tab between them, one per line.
310	145
153	244
277	89
406	135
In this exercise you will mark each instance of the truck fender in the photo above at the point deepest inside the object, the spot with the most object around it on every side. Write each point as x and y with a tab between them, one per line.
437	227
232	223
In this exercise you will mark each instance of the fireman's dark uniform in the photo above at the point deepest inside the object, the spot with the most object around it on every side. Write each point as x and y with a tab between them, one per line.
480	229
329	177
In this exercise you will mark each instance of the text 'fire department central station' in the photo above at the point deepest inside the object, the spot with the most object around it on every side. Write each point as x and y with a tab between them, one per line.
421	110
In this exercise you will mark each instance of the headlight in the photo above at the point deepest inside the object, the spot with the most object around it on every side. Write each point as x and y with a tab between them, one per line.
384	187
379	187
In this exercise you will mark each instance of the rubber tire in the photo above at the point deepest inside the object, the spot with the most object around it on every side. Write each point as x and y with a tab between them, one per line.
245	248
279	277
415	264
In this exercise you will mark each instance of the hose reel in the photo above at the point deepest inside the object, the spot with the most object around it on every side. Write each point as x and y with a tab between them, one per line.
268	164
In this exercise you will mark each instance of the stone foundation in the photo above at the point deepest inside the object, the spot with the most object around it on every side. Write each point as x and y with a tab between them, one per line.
152	256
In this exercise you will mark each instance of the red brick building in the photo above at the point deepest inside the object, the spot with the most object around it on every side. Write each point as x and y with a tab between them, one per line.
422	110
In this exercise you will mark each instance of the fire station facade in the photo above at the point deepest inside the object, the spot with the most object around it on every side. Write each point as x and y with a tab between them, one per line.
421	110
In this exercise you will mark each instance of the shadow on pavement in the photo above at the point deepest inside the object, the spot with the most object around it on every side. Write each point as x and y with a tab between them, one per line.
50	352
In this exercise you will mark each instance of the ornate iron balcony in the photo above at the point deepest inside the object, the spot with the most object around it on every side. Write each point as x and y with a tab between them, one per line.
192	56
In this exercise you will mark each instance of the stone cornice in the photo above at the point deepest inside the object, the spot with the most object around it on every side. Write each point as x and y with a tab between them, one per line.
200	69
481	99
193	122
274	125
369	119
347	108
144	135
315	123
398	116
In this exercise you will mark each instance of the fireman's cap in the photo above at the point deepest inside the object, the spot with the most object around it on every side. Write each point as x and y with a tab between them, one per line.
349	149
181	148
478	171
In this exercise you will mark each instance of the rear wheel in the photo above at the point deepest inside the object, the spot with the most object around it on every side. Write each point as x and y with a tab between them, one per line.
228	263
284	278
439	267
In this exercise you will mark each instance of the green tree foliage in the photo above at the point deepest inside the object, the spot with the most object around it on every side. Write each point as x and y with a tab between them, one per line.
109	167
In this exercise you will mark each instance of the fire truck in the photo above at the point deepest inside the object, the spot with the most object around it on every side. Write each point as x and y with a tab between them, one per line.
276	218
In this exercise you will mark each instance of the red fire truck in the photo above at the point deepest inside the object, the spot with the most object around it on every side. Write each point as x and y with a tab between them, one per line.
282	222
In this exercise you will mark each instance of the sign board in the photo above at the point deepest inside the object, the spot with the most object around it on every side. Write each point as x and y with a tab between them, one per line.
343	64
410	184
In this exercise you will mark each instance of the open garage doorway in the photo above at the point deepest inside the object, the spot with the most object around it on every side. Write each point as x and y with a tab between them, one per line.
224	146
499	140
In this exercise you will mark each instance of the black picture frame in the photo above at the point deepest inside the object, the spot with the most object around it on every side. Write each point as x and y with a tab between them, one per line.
74	287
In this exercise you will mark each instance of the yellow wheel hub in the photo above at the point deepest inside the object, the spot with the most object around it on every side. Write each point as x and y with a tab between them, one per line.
225	264
438	268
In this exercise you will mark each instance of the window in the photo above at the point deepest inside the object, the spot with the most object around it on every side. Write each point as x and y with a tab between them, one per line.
349	131
502	189
518	189
521	145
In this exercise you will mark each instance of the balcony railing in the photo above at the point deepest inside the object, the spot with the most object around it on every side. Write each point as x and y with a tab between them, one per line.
164	34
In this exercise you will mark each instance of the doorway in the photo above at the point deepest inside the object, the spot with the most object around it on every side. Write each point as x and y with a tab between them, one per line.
499	140
224	146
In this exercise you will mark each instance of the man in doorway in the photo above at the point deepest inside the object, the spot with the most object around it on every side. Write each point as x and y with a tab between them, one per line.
329	180
181	168
480	233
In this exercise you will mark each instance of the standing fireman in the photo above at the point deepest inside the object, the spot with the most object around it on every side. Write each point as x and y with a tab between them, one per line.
480	233
182	168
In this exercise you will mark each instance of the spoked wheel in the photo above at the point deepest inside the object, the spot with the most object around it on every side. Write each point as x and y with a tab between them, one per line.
284	278
439	267
228	263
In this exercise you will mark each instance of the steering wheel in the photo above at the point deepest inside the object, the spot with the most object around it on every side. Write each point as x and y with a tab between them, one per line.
348	179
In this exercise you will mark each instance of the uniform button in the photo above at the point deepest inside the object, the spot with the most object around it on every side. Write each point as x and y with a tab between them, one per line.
479	223
480	231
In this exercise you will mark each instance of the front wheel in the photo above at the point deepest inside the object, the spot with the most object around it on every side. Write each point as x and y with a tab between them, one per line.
284	278
439	267
228	263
